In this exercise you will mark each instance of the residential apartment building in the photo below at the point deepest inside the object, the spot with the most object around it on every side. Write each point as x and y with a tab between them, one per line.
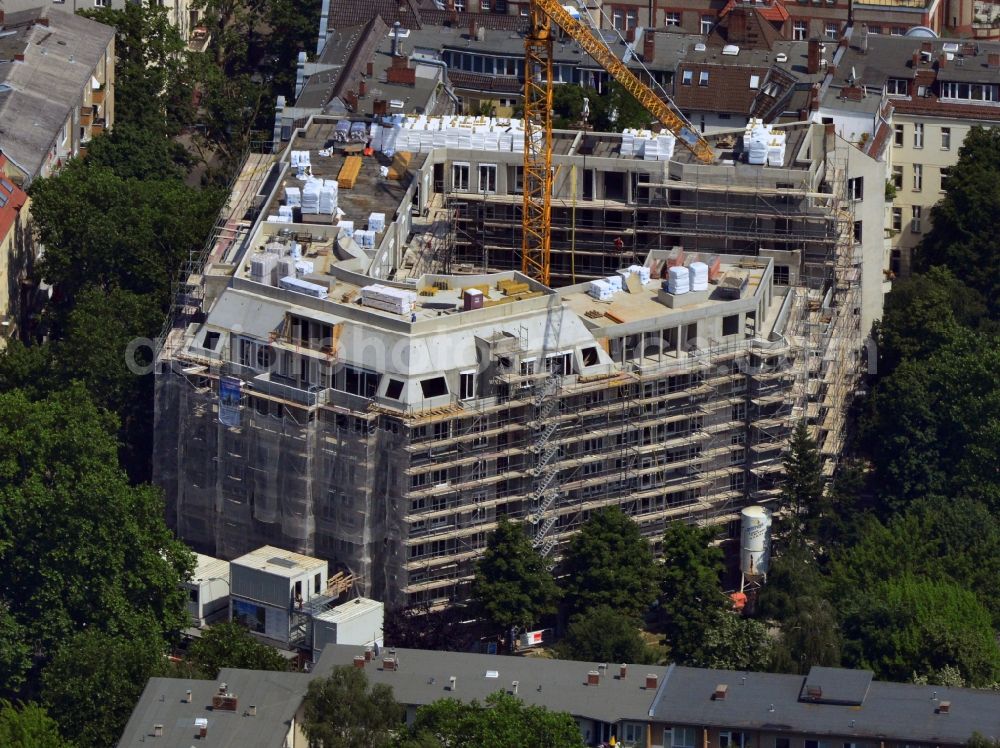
181	13
389	441
938	90
640	706
56	93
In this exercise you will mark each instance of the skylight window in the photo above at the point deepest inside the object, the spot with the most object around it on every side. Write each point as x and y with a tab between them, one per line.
703	78
754	82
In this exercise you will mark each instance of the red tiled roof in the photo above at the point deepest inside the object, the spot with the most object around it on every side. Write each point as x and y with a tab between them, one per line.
933	105
14	199
774	11
348	13
728	88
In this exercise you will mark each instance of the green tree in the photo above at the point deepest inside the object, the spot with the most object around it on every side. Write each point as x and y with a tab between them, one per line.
503	720
802	482
94	681
609	563
104	231
132	152
230	645
15	654
28	726
691	595
963	231
512	586
906	625
923	314
68	565
341	711
152	87
617	109
604	635
734	643
933	424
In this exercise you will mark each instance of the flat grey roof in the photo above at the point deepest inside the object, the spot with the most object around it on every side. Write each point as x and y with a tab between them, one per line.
559	685
769	701
276	695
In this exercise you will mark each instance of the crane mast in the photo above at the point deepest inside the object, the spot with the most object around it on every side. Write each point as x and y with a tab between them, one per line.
536	224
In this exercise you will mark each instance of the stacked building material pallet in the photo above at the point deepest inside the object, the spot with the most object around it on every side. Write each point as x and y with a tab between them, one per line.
349	172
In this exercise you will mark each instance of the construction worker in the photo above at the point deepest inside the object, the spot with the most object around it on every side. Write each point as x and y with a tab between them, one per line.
619	245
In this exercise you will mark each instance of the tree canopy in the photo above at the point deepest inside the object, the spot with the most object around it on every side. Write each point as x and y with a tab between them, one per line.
28	726
963	231
691	595
610	563
512	587
230	645
341	711
906	625
502	721
605	635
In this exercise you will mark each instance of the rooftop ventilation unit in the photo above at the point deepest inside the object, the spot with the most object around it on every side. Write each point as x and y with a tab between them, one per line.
699	47
731	50
781	57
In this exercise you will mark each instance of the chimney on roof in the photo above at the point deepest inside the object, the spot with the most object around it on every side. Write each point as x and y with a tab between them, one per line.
594	678
157	731
252	710
395	38
720	692
472	27
452	683
916	57
814	98
187	696
651	681
814	692
359	661
389	663
362	89
42	21
812	61
864	39
943	60
944	707
513	687
1	18
19	57
993	61
370	69
648	45
401	73
622	671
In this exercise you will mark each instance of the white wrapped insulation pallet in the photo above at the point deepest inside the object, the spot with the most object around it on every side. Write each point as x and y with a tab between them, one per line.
698	276
678	281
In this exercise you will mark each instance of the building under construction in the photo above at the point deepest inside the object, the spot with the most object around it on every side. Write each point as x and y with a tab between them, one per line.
380	398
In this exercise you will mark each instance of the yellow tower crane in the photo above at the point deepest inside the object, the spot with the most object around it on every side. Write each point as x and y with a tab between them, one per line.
537	214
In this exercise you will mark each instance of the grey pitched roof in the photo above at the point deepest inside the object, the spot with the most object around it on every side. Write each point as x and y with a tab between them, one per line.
559	685
767	701
41	91
276	695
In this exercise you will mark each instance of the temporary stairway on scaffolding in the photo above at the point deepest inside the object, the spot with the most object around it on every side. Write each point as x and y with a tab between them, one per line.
545	397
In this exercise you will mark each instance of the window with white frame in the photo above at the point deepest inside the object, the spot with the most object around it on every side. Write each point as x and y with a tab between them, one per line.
832	30
858	232
918	135
488	178
897	176
484	4
969	91
918	177
799	30
856	188
897	219
945	171
460	177
945	138
874	29
898	31
618	18
467	385
673	19
899	134
703	78
707	22
632	732
897	87
754	82
686	77
915	213
460	6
